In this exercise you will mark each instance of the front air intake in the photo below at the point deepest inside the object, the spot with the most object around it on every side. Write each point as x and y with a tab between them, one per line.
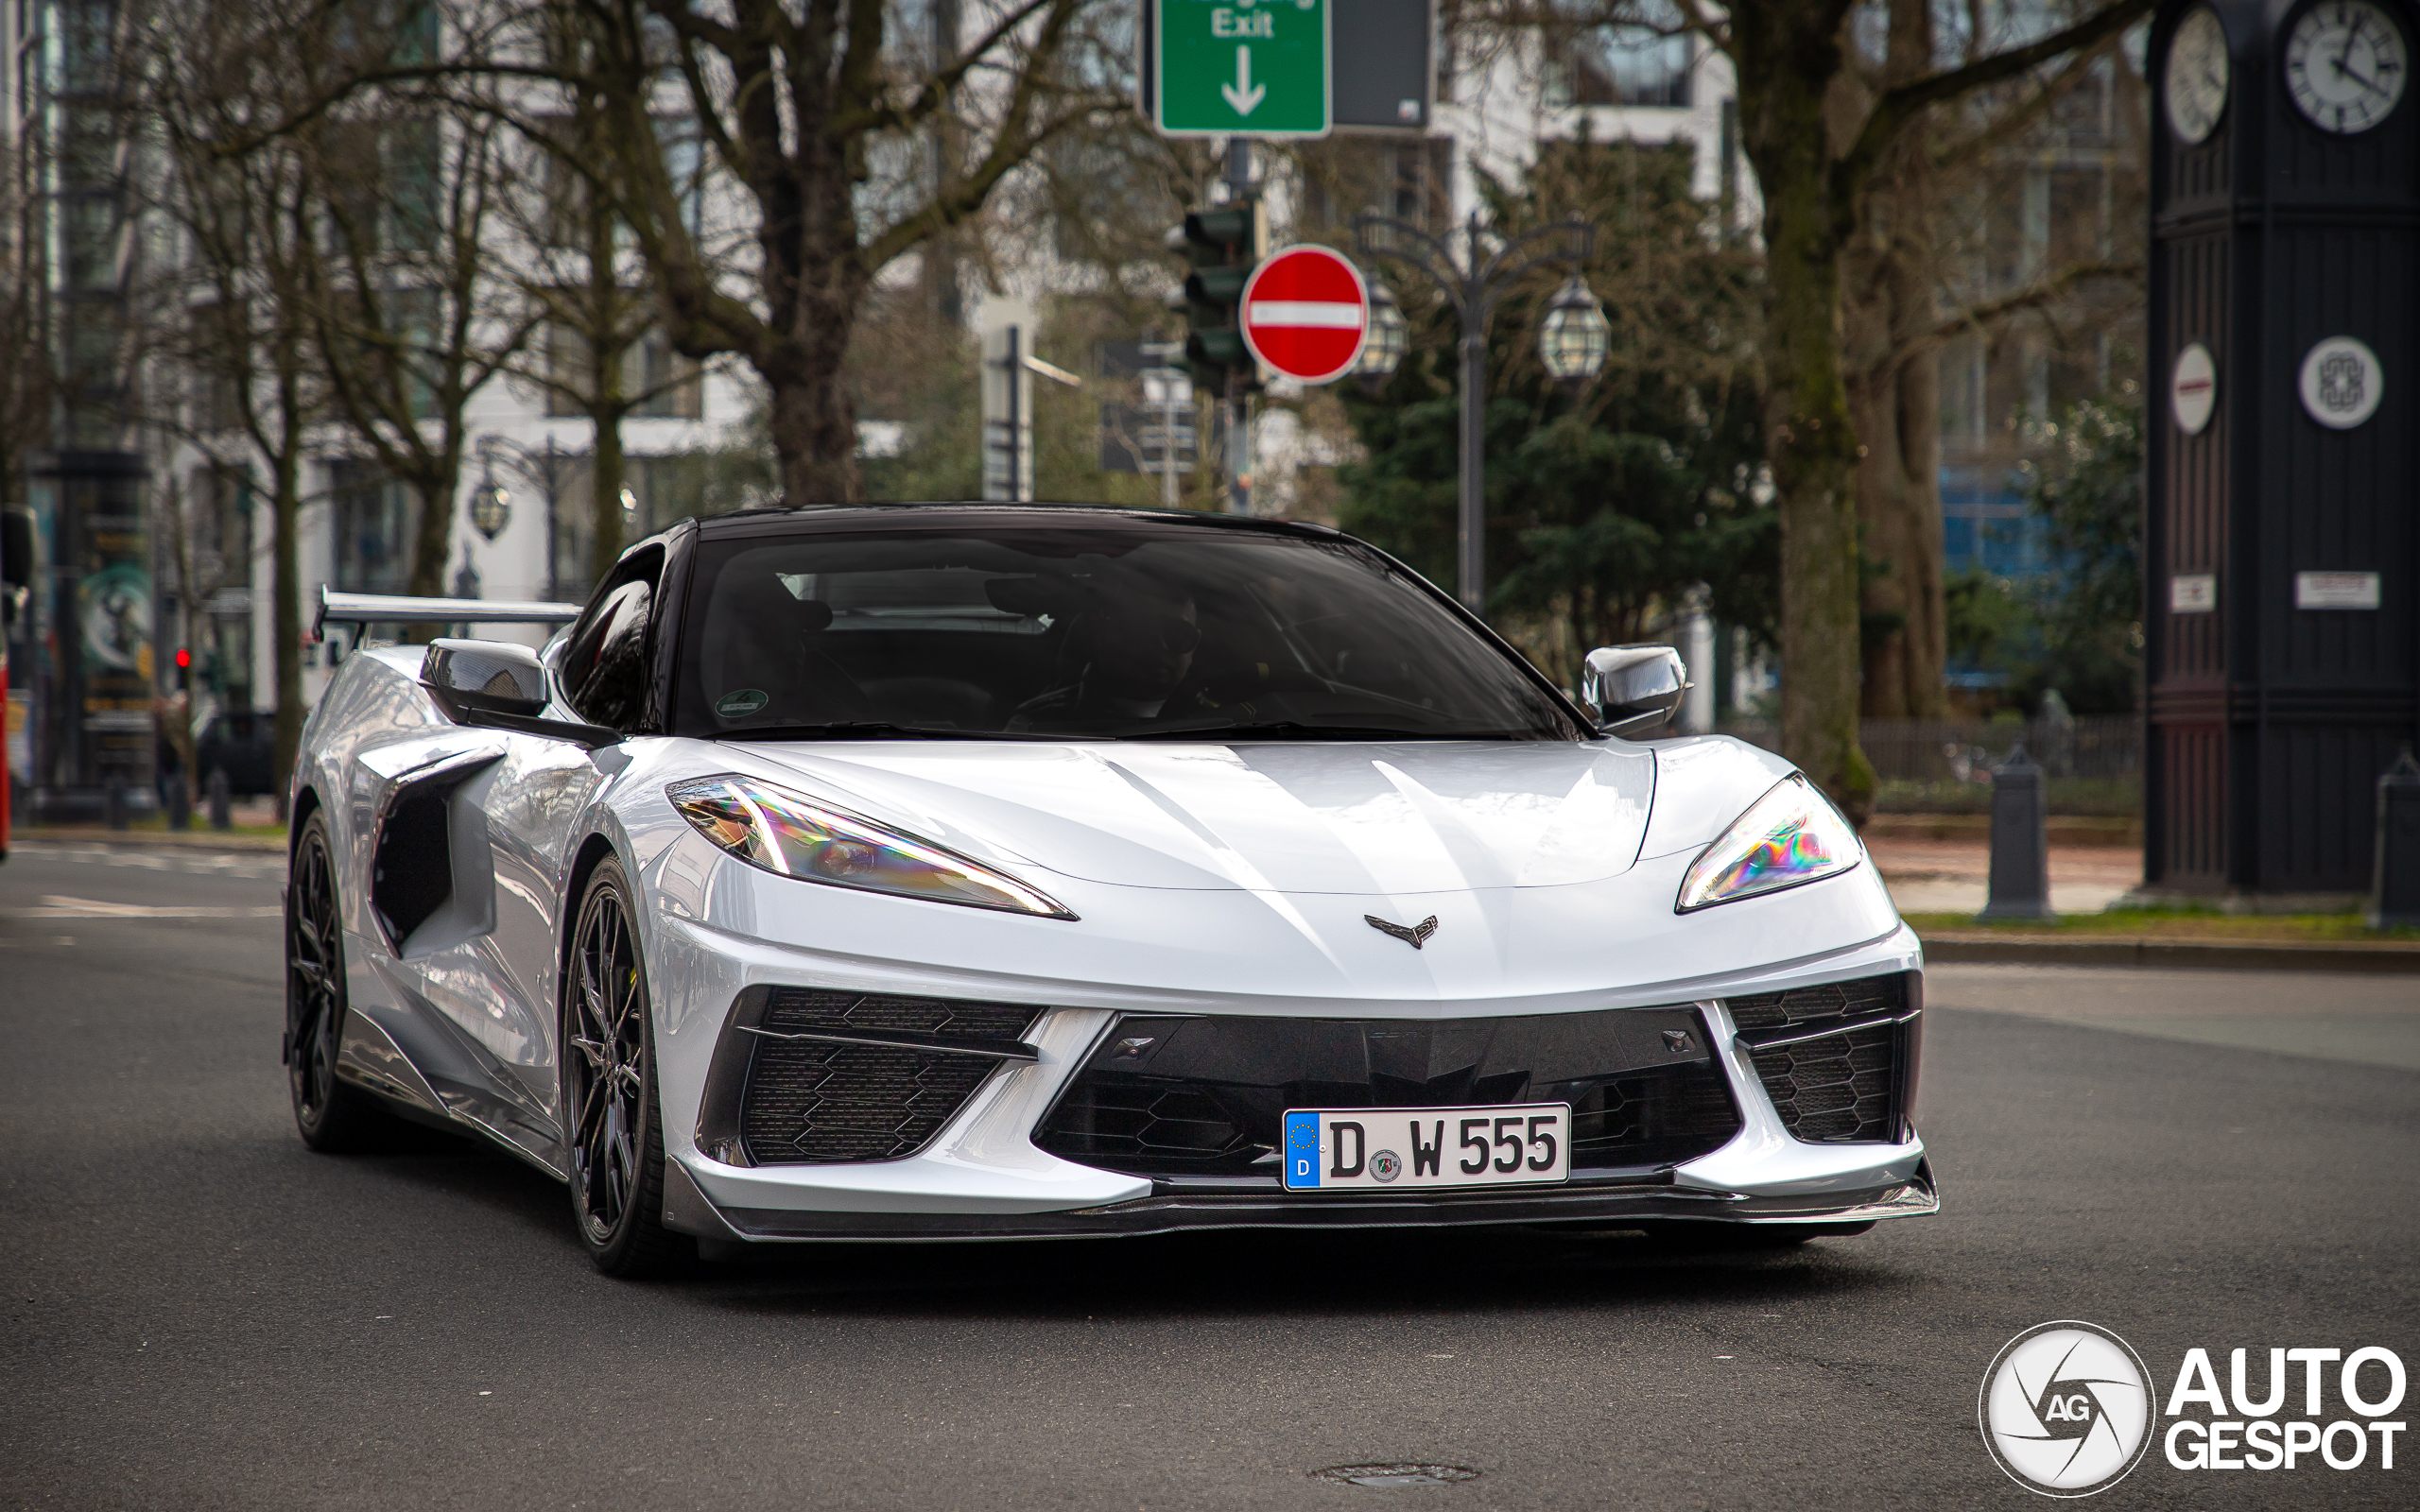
1838	1060
806	1076
1203	1097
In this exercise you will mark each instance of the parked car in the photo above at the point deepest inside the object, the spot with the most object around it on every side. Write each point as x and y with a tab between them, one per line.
243	741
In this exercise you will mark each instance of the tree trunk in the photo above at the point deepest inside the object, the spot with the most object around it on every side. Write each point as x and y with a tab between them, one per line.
433	539
1790	52
1905	636
287	615
815	419
1895	398
607	469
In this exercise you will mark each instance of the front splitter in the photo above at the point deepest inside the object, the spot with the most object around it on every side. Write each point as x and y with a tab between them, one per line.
1599	1206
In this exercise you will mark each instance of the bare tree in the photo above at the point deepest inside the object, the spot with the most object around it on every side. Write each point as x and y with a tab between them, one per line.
813	113
242	330
1817	131
407	318
1922	271
599	323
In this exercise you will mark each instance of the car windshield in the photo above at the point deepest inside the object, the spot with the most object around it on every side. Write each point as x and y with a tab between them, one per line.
1119	630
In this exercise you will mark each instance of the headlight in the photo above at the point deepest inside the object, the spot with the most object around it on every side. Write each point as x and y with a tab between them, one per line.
783	832
1791	834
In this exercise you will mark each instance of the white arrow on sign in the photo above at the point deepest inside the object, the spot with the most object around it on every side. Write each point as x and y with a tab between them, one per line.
1243	94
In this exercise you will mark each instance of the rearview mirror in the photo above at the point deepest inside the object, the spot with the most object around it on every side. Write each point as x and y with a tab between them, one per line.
1633	689
495	677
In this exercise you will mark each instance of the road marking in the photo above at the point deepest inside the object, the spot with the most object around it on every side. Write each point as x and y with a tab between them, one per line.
210	863
58	905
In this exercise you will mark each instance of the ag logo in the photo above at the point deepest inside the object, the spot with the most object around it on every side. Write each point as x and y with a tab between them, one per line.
2066	1409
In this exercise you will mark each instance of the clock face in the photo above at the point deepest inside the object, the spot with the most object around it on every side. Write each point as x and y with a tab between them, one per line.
2345	62
2197	76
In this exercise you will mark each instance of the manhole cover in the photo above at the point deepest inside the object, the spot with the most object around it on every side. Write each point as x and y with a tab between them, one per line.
1395	1475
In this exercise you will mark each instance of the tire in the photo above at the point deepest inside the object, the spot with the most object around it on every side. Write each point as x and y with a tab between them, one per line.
331	1117
613	1129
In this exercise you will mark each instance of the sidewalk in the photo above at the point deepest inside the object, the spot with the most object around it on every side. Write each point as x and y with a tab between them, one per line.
1952	876
255	820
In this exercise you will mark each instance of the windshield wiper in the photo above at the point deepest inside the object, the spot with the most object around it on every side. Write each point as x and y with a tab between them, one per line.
1282	729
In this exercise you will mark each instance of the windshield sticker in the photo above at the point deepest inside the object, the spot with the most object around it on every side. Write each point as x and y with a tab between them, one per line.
740	703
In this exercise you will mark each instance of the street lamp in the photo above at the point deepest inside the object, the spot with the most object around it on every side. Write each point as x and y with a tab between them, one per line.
544	466
1575	333
1389	337
492	506
1473	282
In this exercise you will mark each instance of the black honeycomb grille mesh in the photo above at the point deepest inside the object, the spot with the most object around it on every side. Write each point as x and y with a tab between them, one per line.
1146	1125
1839	1088
1806	1007
1651	1119
815	1102
799	1007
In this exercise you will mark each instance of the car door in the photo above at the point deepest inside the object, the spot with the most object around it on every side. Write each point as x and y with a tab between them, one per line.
536	801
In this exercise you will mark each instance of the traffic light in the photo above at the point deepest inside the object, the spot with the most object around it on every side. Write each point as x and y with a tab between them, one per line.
184	669
1221	248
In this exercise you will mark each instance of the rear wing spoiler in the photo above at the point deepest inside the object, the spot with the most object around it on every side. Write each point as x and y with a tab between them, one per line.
394	608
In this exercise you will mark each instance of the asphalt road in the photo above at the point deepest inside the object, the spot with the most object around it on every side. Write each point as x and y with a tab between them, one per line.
200	1312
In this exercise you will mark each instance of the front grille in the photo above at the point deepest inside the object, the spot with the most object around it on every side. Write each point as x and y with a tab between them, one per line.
1852	1086
1206	1097
810	1101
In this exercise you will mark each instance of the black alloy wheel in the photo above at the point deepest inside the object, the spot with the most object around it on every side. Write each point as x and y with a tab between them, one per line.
614	1135
330	1115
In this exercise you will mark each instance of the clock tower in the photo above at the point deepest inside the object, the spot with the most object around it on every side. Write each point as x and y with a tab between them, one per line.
2282	540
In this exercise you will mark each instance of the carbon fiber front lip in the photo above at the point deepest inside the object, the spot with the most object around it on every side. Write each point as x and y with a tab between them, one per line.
1169	1213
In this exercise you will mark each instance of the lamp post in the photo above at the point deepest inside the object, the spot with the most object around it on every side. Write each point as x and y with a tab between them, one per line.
1572	340
546	466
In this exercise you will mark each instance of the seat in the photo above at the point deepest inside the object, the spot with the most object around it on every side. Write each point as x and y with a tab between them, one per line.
769	640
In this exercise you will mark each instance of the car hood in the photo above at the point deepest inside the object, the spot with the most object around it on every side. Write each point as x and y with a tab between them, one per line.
1373	818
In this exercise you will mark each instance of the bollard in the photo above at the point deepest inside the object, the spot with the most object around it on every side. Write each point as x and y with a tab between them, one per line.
2394	877
221	800
179	803
2020	887
113	803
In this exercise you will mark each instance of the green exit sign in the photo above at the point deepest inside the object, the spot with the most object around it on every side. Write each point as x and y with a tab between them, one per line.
1237	67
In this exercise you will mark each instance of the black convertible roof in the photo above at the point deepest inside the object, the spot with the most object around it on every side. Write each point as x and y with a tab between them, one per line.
814	519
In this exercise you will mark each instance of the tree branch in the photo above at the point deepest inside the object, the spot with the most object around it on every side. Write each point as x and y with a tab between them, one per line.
1900	105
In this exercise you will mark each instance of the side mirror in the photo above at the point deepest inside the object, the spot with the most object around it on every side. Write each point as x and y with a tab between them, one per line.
494	676
1633	689
501	685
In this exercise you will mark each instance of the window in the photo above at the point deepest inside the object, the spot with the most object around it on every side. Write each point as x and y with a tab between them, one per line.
374	519
1634	65
668	379
413	162
665	384
605	669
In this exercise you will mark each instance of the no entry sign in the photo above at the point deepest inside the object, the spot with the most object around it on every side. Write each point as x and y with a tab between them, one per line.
1306	312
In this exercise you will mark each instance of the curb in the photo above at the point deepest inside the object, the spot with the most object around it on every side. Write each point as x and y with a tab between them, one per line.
2134	950
151	840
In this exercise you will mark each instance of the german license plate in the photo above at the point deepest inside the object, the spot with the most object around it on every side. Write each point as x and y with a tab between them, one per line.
1367	1149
